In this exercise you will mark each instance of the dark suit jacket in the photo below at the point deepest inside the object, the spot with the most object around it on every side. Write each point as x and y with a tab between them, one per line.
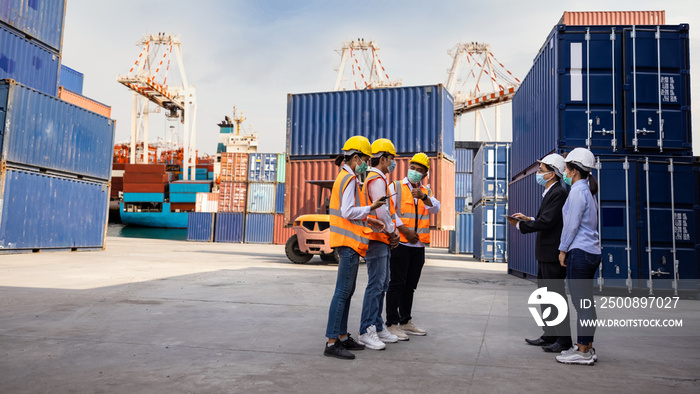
548	224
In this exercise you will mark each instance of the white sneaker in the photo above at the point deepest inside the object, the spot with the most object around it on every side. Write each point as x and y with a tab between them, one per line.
371	340
412	329
386	336
394	329
576	357
574	348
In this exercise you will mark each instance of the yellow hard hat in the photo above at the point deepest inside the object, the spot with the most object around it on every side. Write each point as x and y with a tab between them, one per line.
422	159
358	144
381	146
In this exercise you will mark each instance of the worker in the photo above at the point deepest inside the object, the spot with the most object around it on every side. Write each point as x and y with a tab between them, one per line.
579	251
548	224
413	203
349	237
373	333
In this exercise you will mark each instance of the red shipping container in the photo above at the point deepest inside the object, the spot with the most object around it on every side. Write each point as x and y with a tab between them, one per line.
118	166
281	234
117	186
597	18
182	206
234	167
303	198
145	177
84	102
232	196
144	187
158	168
439	238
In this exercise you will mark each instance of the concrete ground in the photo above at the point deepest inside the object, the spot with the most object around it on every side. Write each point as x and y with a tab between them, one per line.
172	316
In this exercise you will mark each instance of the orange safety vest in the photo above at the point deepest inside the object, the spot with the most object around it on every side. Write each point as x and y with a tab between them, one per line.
372	175
413	215
344	232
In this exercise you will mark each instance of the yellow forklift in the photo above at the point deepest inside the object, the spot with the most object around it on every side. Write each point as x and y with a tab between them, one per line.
312	232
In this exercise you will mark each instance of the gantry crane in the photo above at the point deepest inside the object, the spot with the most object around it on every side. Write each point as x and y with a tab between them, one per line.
148	79
484	82
369	73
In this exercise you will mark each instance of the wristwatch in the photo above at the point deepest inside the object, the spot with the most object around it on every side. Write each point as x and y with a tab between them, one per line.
425	197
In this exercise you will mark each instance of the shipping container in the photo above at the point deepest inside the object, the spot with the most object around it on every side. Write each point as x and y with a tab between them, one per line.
183	197
83	102
234	167
150	168
190	187
144	197
415	119
281	164
490	231
439	238
40	19
491	172
592	18
463	160
28	63
463	204
232	196
71	80
145	177
281	233
41	131
261	197
279	198
259	228
145	187
525	197
304	198
200	226
207	202
462	238
626	95
262	167
183	206
463	185
40	211
229	227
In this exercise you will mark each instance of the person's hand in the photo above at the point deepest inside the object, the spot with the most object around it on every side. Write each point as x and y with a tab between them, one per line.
512	221
562	258
377	203
376	225
411	236
394	239
520	216
417	193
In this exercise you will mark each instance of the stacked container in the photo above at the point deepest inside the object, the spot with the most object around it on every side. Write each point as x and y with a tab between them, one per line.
262	177
623	91
490	193
464	178
55	157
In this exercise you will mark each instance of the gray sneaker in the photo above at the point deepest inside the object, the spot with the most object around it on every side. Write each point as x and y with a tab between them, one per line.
574	348
573	356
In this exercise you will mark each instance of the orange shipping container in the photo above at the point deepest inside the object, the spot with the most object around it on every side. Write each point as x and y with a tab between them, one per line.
234	167
596	18
303	198
281	234
232	196
84	102
439	239
207	202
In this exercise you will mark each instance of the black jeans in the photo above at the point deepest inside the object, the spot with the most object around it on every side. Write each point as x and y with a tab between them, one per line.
580	268
552	276
405	268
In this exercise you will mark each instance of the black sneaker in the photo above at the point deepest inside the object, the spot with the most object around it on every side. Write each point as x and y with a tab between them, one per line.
338	351
351	344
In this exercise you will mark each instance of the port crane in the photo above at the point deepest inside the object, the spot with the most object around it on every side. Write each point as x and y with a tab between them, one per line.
477	80
367	72
148	81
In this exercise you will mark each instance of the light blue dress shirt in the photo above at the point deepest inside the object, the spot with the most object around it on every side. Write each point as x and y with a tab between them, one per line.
580	214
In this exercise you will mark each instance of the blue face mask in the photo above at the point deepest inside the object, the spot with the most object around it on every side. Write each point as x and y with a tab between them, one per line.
414	176
361	168
567	180
540	179
392	166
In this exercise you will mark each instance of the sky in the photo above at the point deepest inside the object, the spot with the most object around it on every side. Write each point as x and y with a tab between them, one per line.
252	54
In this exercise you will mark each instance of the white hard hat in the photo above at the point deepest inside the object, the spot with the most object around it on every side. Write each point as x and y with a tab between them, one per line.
556	161
582	157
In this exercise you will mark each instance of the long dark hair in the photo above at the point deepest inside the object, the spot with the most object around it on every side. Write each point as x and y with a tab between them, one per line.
340	159
592	182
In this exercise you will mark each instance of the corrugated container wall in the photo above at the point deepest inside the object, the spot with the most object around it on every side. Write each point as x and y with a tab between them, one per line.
281	233
279	198
464	233
234	167
229	227
259	228
84	102
491	172
415	119
303	198
232	196
261	197
41	19
525	197
200	226
281	164
71	79
628	98
592	18
262	167
28	63
39	211
42	131
463	160
207	202
463	185
490	231
439	238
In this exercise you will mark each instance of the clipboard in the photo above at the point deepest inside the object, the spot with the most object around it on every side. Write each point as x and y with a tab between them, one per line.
511	217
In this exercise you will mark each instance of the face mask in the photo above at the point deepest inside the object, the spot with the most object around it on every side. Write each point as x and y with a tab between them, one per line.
361	168
392	166
414	176
540	179
567	180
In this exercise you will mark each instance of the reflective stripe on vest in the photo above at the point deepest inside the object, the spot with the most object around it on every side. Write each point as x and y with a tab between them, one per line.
374	174
418	221
344	232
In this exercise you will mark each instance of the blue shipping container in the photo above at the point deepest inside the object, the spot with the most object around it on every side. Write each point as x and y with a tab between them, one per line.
415	119
491	172
279	198
183	197
28	63
525	197
144	197
262	167
40	211
42	131
229	227
190	187
261	197
628	68
259	228
200	226
463	160
71	79
463	185
462	241
490	231
40	19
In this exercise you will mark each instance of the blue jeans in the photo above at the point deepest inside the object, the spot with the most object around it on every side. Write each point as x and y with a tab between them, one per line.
377	259
344	289
580	271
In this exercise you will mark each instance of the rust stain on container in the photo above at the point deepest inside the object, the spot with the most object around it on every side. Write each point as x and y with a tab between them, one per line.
597	18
